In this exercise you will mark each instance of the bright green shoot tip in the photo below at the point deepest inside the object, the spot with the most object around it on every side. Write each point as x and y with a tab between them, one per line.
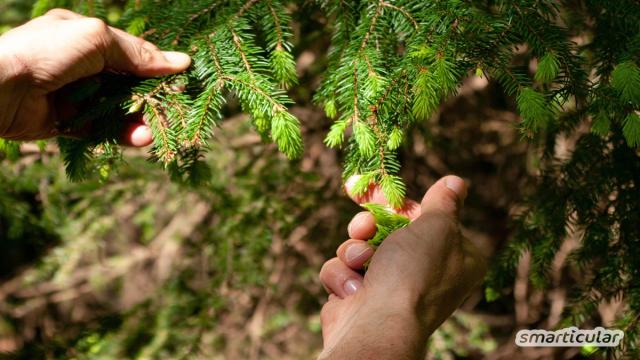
387	222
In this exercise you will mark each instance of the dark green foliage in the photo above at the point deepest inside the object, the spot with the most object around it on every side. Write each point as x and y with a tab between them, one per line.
183	110
595	193
535	110
548	68
25	225
631	129
217	235
390	64
625	78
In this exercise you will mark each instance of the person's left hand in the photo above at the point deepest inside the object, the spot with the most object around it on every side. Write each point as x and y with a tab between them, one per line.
39	58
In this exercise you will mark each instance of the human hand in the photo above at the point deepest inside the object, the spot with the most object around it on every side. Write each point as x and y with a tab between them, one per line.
415	280
51	51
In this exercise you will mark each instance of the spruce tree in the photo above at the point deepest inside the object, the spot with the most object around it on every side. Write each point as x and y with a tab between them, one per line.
392	64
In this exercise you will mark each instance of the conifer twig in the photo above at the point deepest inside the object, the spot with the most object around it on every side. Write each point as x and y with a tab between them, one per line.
371	26
356	114
161	120
238	45
276	21
403	11
244	8
277	105
214	54
197	137
191	19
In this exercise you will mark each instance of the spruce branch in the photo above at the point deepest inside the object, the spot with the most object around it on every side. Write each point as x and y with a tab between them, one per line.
625	78
247	5
277	27
164	145
207	10
403	12
238	43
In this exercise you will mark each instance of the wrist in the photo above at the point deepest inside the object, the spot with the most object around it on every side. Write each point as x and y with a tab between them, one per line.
380	330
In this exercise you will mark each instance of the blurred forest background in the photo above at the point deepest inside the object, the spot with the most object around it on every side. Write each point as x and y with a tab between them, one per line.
137	266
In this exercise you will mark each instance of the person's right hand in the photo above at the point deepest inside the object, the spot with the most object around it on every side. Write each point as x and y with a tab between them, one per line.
39	58
416	278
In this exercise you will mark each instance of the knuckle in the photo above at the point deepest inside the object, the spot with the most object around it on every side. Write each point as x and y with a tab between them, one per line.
57	13
324	269
340	252
341	249
146	52
96	31
94	27
327	268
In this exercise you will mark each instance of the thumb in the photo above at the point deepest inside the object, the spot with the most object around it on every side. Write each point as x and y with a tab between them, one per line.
135	56
428	256
445	196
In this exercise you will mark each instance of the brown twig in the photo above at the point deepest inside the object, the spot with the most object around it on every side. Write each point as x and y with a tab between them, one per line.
191	19
403	11
238	44
276	104
276	20
244	8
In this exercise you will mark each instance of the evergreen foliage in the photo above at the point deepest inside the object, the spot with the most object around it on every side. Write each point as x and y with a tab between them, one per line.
386	222
390	64
206	250
393	63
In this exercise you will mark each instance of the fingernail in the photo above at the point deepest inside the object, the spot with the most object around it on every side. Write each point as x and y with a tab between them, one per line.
177	58
356	252
456	185
351	286
351	181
